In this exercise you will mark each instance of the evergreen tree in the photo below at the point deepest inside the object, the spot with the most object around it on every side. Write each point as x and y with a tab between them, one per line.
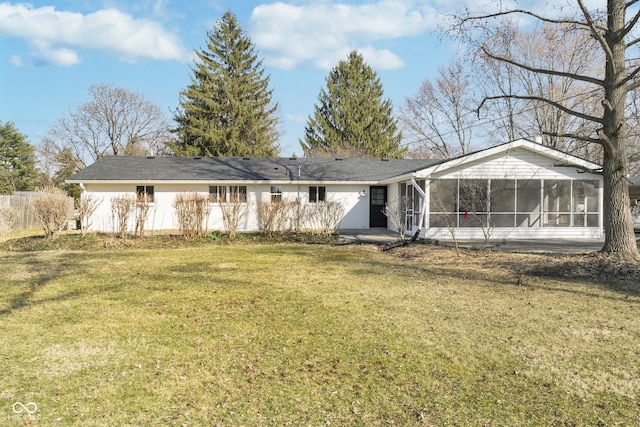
17	161
227	108
352	118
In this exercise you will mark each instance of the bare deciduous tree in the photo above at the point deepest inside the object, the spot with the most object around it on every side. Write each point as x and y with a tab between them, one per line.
438	121
615	33
53	209
115	121
142	208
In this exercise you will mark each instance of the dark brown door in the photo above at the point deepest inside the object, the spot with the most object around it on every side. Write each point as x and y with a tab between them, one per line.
377	200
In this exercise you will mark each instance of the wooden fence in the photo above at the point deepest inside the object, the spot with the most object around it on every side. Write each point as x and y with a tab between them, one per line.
20	203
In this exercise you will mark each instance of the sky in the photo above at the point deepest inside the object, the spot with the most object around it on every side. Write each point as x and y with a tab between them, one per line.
51	51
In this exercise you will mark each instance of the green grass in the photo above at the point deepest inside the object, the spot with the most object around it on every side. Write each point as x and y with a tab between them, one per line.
278	334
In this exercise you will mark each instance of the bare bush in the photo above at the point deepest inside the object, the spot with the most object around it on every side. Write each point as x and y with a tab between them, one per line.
52	209
141	213
274	216
86	206
324	217
395	211
122	208
233	213
192	210
8	218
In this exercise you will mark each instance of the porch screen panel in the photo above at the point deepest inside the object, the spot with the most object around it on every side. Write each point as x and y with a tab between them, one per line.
585	203
528	203
473	196
557	203
443	194
503	202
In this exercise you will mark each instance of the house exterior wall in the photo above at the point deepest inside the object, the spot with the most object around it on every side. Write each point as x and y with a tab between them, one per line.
162	213
521	165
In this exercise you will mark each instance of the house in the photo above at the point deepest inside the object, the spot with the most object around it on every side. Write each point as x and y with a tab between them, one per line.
520	189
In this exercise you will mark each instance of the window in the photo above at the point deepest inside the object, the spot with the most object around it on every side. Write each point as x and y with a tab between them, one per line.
238	194
226	194
276	193
217	193
317	194
144	193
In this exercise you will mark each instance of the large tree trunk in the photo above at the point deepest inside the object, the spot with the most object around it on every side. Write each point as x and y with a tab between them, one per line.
618	225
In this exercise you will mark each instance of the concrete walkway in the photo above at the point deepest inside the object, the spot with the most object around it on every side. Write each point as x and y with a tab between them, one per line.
383	236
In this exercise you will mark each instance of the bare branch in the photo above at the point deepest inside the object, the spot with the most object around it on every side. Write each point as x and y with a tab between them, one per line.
529	13
518	64
546	101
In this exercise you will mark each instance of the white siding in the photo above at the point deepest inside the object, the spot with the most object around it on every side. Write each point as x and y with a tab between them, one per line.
162	216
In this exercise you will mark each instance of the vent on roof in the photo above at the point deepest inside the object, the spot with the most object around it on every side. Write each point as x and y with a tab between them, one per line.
245	158
384	160
338	159
151	157
197	157
293	158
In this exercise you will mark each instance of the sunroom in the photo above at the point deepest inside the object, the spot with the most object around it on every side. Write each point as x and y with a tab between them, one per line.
517	190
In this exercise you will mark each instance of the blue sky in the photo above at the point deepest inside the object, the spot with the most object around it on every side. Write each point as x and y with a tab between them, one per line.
51	51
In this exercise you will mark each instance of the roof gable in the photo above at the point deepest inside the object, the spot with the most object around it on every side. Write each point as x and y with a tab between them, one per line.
559	158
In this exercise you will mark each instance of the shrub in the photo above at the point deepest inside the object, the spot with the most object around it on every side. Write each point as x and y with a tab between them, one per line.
86	206
274	216
324	217
192	210
121	209
233	213
8	217
52	208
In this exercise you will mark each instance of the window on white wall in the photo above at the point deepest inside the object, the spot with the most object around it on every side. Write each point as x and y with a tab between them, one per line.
144	193
276	193
227	193
317	194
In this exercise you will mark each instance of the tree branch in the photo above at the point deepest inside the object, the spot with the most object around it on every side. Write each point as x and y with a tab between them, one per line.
596	31
574	76
535	15
546	101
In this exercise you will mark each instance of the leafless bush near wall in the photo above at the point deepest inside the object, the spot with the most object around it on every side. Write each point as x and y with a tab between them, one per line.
274	216
122	208
51	208
87	205
192	211
324	217
233	213
395	211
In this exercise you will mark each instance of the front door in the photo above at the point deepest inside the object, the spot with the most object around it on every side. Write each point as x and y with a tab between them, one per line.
378	199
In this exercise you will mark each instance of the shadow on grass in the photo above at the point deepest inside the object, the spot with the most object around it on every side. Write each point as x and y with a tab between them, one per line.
42	269
513	269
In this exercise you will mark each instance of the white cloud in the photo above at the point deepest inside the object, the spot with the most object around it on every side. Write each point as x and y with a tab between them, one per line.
57	35
16	61
322	33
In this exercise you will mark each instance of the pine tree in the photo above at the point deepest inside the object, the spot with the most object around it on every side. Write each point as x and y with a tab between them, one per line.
227	109
17	161
352	118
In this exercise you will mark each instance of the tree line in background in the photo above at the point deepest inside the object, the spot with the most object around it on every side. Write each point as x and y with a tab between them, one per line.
568	81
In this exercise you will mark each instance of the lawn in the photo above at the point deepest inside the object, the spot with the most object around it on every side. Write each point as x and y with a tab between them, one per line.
291	333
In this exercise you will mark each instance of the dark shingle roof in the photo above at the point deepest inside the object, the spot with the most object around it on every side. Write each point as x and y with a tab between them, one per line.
161	168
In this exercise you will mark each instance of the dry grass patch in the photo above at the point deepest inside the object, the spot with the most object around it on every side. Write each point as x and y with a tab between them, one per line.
283	334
